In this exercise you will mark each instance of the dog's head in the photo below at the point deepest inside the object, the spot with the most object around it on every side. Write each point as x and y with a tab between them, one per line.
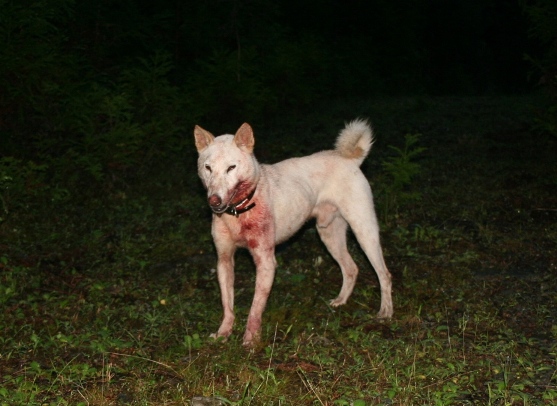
226	166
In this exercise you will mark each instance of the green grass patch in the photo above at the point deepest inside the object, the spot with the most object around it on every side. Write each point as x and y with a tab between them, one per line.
109	294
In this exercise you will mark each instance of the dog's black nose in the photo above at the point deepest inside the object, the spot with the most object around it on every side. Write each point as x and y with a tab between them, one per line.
214	201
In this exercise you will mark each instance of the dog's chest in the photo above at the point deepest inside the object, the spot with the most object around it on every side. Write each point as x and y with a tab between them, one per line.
251	229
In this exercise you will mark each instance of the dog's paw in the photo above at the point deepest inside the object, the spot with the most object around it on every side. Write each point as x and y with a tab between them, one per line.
251	339
218	337
337	302
385	313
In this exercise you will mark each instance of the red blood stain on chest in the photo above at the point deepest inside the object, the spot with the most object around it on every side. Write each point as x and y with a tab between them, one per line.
252	228
255	226
242	191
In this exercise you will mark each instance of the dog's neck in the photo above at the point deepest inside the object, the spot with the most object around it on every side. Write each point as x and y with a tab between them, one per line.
241	207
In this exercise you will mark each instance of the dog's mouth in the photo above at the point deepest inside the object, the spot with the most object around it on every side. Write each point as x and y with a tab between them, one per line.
234	209
219	210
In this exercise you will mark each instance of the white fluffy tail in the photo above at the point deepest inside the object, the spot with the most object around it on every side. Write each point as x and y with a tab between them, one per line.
355	140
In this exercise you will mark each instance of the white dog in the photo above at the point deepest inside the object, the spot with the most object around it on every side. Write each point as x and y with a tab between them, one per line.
259	206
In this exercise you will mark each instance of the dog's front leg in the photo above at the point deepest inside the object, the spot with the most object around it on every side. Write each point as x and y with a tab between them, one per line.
265	264
225	273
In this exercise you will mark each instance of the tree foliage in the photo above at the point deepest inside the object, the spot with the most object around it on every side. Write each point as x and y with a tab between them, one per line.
543	27
93	85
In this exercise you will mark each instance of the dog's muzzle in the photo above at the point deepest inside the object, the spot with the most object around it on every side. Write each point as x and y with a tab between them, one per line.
215	202
235	209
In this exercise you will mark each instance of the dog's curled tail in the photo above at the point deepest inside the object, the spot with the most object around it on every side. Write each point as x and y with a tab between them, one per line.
355	140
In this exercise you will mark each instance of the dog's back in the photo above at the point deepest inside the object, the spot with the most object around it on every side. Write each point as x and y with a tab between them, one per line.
298	186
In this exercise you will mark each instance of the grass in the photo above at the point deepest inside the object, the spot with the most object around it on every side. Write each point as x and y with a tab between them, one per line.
109	296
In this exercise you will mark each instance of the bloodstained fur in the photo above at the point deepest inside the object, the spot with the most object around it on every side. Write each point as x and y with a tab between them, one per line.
255	225
241	191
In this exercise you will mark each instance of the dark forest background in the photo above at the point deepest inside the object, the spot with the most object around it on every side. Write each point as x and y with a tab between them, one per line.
92	86
108	288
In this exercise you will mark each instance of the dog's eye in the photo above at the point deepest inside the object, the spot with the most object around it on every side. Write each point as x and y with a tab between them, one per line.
230	168
208	168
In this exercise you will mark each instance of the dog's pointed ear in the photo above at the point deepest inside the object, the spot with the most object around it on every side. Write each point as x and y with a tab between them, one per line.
244	138
203	138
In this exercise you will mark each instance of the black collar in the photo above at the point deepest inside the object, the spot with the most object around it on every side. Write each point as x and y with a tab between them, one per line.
235	211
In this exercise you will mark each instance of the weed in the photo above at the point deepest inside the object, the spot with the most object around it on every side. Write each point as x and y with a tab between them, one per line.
401	169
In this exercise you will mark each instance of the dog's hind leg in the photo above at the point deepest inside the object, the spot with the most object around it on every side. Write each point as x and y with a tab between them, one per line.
332	230
363	222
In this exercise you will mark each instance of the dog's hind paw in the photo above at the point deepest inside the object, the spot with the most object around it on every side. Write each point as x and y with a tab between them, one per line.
337	302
